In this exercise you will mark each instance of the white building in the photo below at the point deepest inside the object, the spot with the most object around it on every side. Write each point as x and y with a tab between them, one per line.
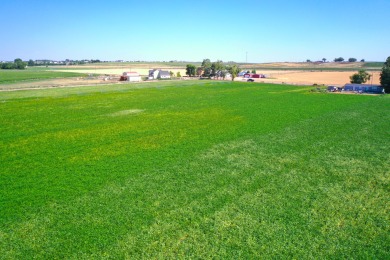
159	74
132	76
164	74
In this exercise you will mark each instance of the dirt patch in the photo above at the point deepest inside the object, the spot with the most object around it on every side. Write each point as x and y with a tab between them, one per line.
119	71
306	65
310	77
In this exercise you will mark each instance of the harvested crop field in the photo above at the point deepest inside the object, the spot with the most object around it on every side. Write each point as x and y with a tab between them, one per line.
312	77
119	71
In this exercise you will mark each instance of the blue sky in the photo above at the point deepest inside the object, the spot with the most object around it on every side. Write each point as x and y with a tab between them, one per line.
256	31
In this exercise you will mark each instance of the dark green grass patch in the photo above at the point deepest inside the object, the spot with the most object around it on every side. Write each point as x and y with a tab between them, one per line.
194	170
378	65
14	76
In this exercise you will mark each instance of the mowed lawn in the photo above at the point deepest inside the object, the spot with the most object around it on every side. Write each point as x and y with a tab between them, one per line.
196	169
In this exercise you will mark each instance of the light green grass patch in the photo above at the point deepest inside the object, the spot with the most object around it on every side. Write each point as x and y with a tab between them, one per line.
127	112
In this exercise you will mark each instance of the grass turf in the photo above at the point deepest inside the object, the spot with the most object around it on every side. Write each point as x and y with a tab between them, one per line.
188	169
14	76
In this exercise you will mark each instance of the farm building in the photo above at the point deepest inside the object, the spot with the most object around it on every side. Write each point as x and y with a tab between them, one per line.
159	74
222	74
153	74
130	76
164	74
364	88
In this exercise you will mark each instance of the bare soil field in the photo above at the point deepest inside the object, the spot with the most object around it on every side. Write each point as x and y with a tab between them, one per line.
118	71
308	65
311	77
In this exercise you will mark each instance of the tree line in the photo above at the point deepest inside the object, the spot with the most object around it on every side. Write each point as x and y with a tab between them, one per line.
210	69
20	65
17	64
341	59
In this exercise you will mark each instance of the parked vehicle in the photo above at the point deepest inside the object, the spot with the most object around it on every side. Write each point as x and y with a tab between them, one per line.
333	89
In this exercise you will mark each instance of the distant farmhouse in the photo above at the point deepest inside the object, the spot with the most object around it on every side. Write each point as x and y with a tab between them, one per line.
130	76
159	74
49	62
164	74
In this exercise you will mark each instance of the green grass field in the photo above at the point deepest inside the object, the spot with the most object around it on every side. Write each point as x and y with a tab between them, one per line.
14	76
193	170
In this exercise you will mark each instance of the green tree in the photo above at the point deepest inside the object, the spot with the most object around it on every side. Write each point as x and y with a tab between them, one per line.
223	74
190	70
254	71
385	75
217	68
206	65
352	60
8	66
233	70
171	74
19	64
340	59
361	77
178	74
323	59
31	63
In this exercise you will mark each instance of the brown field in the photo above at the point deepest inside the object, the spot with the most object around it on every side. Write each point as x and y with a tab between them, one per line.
338	78
118	71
